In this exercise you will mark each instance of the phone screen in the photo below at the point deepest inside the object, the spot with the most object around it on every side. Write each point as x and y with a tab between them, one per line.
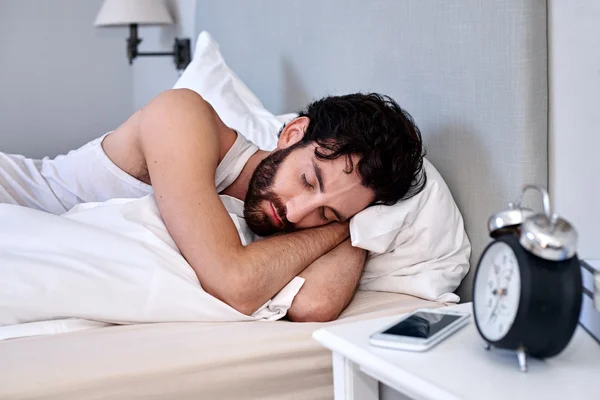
421	325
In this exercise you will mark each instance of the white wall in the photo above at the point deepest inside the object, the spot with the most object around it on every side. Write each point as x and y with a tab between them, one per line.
152	75
62	81
574	40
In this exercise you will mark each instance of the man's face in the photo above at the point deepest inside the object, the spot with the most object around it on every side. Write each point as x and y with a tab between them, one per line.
292	189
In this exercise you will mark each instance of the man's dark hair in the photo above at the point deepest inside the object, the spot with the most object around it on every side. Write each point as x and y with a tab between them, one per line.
374	127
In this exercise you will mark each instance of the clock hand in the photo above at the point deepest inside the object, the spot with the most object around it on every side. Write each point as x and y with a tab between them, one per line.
496	269
499	293
493	313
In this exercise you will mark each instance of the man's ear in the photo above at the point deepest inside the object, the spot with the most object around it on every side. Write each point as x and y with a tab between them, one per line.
293	132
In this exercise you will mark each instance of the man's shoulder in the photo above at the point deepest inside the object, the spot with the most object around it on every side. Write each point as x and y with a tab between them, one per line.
189	98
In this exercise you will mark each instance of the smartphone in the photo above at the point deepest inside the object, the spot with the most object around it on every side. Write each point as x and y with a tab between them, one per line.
420	330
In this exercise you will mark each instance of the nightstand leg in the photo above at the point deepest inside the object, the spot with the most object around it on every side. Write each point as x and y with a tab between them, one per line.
350	383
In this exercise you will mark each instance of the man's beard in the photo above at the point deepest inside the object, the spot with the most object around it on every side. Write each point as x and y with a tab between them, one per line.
260	191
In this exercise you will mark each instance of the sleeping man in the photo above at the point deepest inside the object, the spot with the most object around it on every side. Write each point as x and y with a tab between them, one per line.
340	155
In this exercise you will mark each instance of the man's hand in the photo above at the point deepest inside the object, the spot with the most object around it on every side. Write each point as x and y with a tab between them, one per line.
330	284
180	137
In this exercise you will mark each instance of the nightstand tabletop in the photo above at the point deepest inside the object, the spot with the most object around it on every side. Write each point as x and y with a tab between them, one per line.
460	367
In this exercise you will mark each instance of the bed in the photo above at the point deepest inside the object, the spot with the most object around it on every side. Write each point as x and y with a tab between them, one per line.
254	360
474	76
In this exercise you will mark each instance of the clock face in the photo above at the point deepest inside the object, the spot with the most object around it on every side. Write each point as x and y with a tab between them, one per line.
497	291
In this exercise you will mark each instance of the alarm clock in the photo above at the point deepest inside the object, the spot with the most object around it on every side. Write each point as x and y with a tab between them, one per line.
527	290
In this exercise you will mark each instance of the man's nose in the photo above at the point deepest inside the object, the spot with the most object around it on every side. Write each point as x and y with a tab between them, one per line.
299	208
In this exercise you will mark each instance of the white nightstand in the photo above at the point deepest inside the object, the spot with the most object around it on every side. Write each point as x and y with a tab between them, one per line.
457	368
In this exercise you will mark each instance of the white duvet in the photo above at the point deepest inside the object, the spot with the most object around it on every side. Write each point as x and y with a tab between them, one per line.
106	263
115	262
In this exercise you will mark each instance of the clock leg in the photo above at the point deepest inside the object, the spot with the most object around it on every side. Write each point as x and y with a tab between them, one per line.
487	346
522	357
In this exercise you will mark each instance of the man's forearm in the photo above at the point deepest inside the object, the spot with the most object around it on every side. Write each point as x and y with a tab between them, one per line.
330	284
255	274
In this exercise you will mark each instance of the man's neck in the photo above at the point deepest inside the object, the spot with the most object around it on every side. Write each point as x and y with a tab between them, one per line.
239	187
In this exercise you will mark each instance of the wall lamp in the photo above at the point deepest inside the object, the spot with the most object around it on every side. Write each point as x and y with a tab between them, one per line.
142	12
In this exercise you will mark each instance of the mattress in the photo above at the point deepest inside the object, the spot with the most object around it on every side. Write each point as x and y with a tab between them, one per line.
240	360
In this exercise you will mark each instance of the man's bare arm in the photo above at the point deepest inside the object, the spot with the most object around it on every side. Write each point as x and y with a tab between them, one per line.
179	138
330	284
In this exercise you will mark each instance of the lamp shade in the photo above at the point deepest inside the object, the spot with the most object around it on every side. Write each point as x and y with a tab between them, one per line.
126	12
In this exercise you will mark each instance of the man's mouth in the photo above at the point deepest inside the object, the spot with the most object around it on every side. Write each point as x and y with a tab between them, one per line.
275	216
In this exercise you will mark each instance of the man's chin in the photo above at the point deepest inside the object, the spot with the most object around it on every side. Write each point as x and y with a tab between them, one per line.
260	223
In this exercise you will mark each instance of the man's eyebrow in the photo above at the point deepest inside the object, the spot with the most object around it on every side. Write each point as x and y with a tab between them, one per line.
319	175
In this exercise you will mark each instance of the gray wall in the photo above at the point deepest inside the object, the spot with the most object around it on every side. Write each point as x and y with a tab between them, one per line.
152	75
62	81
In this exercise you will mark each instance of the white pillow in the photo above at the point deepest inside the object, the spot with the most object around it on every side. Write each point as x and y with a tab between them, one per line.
417	247
238	107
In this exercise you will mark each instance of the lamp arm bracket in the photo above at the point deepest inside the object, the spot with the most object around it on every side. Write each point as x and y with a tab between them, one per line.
181	49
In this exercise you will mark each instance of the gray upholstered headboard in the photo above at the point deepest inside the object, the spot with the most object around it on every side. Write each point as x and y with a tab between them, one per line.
472	73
